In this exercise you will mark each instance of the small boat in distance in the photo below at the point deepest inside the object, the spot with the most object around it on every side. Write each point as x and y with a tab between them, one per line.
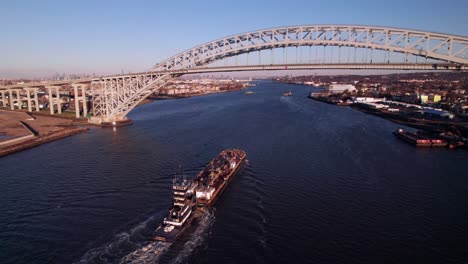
248	92
287	93
344	103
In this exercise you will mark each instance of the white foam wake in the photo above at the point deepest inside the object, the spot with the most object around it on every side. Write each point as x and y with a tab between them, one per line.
150	253
120	245
197	237
135	247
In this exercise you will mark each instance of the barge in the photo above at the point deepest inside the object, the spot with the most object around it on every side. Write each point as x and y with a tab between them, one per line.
203	190
420	139
212	180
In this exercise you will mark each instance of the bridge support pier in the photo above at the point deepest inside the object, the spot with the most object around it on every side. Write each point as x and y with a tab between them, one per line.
12	106
54	99
32	99
36	100
78	98
4	100
77	105
51	100
28	96
110	122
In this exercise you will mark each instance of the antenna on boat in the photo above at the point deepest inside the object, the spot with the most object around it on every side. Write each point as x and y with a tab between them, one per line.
177	174
181	173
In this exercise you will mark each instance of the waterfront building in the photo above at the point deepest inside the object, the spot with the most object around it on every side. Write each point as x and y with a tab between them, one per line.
340	88
367	100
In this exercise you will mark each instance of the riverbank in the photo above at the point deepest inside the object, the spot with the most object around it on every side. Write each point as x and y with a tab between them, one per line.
400	115
188	95
20	130
435	126
343	163
328	100
41	139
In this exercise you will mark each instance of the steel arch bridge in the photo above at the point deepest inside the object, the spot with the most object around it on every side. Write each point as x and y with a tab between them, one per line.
444	47
115	96
121	94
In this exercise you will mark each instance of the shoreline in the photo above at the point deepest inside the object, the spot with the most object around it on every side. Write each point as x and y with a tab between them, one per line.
436	126
182	96
41	139
66	125
24	130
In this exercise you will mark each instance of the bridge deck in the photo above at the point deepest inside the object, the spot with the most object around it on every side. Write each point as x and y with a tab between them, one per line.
271	67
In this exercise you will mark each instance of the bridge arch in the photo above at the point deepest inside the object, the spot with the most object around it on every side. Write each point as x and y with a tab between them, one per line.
444	47
115	96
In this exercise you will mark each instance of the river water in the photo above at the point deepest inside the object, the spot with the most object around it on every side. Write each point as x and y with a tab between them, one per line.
323	184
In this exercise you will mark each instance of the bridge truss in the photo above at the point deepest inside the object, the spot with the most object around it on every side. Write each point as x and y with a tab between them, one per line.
115	96
443	47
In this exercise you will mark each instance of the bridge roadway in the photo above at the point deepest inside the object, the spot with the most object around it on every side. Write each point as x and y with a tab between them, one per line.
271	67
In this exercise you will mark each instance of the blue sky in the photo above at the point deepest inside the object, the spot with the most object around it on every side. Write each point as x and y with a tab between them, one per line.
42	37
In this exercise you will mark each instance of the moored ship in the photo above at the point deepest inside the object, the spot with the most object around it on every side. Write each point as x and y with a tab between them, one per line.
420	139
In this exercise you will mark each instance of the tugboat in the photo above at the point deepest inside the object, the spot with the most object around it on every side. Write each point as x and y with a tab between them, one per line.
180	214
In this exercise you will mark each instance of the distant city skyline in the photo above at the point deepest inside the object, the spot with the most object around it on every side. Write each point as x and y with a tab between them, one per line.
43	38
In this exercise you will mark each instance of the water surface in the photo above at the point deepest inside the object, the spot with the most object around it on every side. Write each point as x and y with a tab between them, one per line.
324	184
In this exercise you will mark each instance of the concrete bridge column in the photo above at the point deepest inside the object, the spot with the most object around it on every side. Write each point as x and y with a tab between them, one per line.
4	99
18	98
51	100
58	99
28	96
77	104
12	106
85	103
36	100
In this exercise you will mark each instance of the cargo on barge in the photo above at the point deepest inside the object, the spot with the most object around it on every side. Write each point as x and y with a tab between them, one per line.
212	180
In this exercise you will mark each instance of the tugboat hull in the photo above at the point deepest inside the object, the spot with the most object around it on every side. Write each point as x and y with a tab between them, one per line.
170	236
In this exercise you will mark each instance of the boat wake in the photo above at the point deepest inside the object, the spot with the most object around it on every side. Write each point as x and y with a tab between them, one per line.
196	237
292	104
136	246
150	253
181	251
121	244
